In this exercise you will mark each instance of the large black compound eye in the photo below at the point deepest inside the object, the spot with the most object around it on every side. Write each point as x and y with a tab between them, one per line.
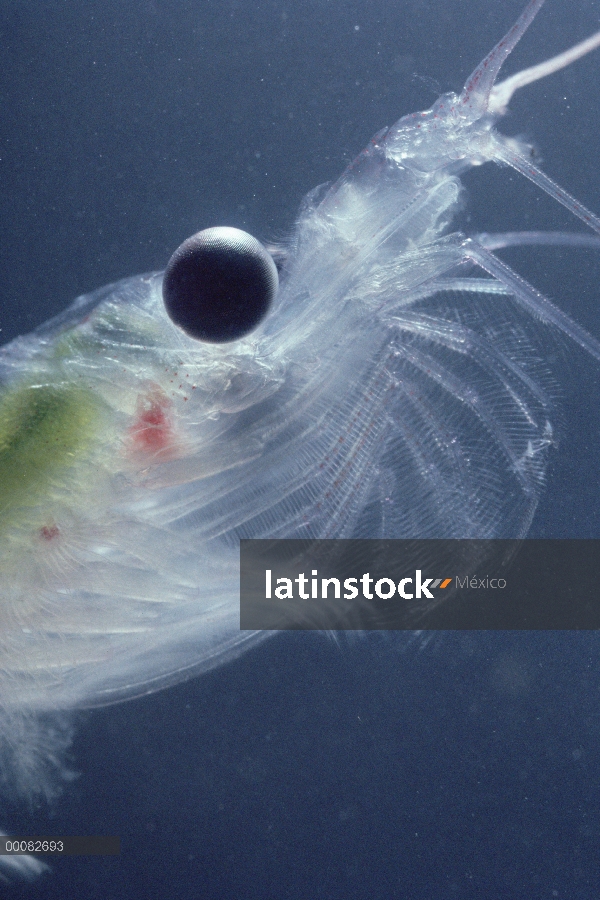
219	284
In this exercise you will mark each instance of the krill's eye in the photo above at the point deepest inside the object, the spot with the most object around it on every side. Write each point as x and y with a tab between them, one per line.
219	284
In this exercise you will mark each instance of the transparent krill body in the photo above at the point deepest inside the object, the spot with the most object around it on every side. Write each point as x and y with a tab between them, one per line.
395	387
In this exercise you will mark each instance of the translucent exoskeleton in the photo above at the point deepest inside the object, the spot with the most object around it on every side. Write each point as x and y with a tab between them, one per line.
398	388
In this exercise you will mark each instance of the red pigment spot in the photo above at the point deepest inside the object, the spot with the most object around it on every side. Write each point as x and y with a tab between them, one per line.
49	532
152	431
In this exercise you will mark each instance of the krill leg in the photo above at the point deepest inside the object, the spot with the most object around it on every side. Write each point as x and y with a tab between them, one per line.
537	239
528	297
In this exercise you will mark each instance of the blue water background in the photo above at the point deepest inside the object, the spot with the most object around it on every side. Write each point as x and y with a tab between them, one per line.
368	771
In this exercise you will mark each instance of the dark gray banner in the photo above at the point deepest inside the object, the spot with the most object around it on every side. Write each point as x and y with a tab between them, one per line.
61	845
419	584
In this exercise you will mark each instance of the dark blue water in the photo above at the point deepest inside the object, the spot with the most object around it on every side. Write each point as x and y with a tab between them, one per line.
467	769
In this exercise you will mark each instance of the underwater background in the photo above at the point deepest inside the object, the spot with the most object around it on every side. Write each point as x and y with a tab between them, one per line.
468	767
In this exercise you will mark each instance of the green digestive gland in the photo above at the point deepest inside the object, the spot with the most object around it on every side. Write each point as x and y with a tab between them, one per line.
43	430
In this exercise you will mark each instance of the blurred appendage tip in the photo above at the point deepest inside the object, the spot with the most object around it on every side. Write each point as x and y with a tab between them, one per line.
20	868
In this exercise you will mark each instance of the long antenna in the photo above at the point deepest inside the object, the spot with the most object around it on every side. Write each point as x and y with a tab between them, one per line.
501	93
479	85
